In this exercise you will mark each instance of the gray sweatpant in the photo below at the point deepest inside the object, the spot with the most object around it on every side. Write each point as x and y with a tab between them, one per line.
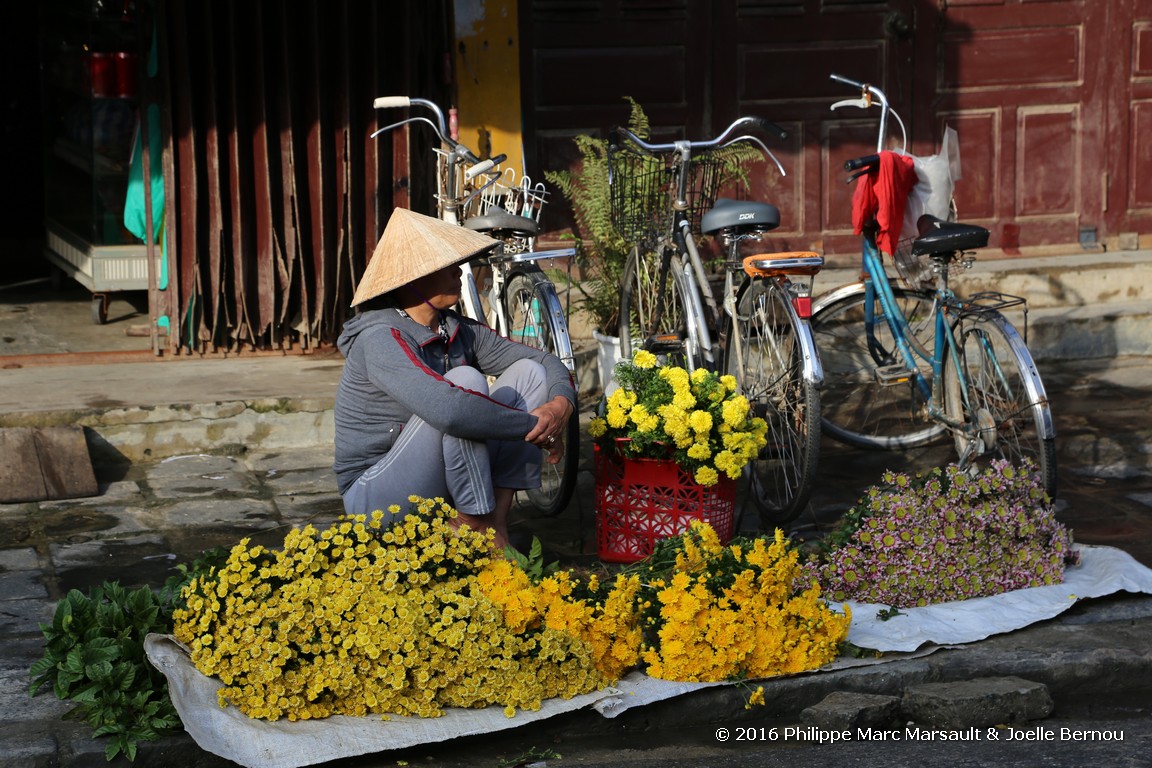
429	463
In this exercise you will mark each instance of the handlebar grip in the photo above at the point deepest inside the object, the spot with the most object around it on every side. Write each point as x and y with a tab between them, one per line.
385	102
845	80
613	138
480	167
861	162
771	127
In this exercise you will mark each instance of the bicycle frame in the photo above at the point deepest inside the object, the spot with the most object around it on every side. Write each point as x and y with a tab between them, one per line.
679	244
949	311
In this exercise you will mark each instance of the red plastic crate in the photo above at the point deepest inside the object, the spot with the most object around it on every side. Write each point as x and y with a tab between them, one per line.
640	501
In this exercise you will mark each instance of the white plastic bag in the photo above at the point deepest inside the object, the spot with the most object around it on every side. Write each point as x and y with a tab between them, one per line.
936	177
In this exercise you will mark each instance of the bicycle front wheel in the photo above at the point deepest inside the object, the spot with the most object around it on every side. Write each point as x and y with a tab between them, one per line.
867	401
991	385
654	311
530	322
766	355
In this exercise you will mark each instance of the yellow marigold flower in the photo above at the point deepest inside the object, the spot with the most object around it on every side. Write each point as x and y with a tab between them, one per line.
706	476
644	359
735	411
699	451
597	427
700	421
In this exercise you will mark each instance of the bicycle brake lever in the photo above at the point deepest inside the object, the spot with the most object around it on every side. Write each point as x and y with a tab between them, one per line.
405	121
861	103
763	148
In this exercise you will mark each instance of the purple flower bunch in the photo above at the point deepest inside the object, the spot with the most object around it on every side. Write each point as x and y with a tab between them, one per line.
945	535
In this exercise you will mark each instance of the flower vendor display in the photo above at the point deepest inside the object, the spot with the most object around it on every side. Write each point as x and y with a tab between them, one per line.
743	611
417	615
407	618
668	450
697	420
945	535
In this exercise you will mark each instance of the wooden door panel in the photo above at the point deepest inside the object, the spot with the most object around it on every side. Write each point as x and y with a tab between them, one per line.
1021	86
1135	147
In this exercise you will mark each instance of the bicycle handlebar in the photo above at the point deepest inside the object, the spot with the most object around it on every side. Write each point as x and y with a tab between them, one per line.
440	125
869	92
688	147
861	162
705	144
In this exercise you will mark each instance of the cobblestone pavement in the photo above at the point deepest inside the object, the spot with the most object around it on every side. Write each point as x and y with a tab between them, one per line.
149	517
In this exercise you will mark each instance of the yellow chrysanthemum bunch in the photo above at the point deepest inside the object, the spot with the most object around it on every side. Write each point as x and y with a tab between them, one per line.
698	420
407	618
733	612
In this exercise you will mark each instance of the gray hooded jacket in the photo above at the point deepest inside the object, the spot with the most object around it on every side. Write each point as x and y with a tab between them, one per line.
394	368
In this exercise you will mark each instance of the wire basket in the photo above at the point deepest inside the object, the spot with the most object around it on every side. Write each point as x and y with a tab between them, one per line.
919	270
520	197
916	271
642	187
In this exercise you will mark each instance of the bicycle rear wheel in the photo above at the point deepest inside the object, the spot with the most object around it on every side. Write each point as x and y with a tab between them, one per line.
862	403
992	386
654	311
766	356
530	322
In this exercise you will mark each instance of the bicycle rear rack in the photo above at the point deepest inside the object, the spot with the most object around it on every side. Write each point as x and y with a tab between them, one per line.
983	304
986	301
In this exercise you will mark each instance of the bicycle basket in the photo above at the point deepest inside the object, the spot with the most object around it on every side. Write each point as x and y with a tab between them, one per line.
919	271
915	271
519	197
642	187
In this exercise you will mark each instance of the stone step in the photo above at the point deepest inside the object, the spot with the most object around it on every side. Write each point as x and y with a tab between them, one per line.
1084	306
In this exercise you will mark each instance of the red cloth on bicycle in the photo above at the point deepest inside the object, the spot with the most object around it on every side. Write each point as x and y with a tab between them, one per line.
883	193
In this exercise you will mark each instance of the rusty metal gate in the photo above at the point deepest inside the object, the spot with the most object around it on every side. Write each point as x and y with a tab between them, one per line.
279	193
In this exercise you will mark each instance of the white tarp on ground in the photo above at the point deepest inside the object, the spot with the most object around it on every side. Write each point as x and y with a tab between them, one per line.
259	744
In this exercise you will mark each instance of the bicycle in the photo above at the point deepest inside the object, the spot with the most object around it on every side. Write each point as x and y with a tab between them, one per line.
517	300
767	344
906	363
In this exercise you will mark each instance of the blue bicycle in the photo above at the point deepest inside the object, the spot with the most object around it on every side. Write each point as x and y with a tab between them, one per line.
905	364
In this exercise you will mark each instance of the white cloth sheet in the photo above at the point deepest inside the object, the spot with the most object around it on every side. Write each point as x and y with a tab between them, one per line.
259	744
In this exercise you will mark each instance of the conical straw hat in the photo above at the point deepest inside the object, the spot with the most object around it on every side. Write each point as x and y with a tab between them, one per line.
414	245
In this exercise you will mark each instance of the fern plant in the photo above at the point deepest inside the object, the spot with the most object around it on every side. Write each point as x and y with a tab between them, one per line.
603	249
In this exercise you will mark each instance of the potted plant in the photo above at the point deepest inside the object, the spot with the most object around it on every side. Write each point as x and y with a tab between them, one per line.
668	451
604	251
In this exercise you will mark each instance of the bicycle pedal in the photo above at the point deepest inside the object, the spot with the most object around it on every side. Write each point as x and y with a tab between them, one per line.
889	375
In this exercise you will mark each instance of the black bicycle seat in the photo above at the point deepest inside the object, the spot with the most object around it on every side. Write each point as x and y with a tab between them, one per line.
939	236
499	220
740	213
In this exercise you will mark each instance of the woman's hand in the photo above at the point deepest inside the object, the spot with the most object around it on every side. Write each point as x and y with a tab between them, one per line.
551	419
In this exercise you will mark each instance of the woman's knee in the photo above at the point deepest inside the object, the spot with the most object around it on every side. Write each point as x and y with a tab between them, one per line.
531	370
469	378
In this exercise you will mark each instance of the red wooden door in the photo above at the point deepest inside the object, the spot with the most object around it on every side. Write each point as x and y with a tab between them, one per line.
1128	105
1051	100
1026	86
775	62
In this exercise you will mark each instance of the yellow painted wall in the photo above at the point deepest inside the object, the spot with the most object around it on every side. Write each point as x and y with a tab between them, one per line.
488	79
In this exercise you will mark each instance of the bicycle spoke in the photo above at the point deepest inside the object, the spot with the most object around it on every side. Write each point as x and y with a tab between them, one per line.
864	402
766	360
989	392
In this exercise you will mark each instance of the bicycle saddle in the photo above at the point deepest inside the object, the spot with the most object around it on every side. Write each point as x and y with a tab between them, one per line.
739	213
499	220
939	236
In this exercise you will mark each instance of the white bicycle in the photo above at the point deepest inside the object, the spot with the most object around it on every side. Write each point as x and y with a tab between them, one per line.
507	289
